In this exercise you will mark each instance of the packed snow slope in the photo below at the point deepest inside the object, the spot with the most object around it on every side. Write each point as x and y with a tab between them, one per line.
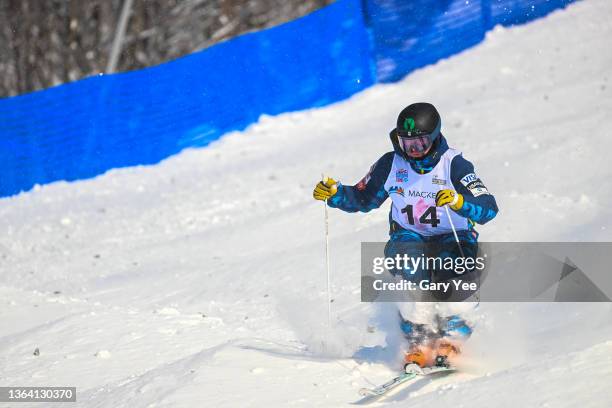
201	281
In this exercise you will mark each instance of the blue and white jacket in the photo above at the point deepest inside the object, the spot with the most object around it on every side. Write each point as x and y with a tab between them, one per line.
397	176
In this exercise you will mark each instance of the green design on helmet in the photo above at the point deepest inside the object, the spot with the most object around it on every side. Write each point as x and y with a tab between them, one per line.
409	124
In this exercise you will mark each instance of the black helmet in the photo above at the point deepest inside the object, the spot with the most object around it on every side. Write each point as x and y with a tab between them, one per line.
418	127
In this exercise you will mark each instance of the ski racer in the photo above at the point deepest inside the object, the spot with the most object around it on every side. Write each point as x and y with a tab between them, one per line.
422	175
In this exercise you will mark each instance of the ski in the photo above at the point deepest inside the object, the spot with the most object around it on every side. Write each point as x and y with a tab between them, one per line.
379	391
388	386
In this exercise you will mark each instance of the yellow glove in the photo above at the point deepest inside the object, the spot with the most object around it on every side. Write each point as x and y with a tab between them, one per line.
325	189
450	197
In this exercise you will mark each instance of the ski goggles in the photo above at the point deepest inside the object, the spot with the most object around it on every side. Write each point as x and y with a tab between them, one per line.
415	146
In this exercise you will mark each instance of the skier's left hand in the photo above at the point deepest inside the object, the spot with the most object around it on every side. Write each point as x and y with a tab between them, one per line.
450	197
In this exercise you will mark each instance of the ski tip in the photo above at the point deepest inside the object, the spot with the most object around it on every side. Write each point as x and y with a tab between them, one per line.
366	392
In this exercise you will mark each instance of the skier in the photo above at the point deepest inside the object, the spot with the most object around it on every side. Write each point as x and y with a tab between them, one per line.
421	175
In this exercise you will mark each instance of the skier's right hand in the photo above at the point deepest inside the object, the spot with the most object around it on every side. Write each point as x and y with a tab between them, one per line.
325	189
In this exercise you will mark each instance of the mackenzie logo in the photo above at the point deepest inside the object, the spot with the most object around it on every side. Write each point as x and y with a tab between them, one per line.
396	190
401	176
422	194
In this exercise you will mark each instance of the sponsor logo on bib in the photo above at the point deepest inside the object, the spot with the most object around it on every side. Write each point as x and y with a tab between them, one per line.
436	180
401	176
421	194
396	190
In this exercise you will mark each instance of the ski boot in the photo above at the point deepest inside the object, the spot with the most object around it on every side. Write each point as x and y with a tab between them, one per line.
418	357
421	338
445	351
454	331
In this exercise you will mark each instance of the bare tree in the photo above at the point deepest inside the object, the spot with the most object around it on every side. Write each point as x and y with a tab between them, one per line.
49	42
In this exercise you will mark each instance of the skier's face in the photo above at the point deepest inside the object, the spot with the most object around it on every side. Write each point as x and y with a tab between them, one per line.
416	147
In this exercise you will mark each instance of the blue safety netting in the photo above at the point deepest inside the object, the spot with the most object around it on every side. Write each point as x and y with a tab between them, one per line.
82	129
411	34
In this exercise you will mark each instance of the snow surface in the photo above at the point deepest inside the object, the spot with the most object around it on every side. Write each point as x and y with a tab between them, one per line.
201	281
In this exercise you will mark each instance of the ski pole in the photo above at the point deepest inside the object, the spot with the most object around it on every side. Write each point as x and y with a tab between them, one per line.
329	320
450	221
